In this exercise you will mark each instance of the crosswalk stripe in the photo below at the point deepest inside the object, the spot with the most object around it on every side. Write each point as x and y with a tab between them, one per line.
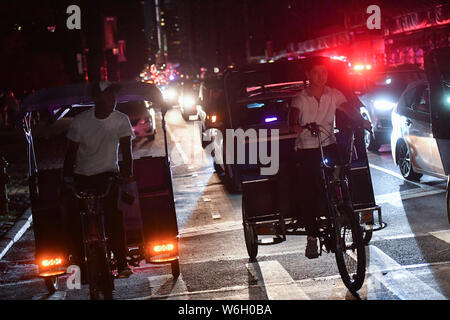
443	235
402	283
270	275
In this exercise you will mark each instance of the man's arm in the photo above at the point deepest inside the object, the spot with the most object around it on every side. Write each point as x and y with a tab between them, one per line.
127	167
69	161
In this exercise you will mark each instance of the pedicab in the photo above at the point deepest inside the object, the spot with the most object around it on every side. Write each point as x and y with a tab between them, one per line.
147	205
259	97
437	68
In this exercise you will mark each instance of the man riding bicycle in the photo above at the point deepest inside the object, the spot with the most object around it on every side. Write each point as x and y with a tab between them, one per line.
317	103
95	137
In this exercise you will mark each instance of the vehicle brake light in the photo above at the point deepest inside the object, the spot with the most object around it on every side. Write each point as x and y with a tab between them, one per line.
164	247
51	262
358	67
368	67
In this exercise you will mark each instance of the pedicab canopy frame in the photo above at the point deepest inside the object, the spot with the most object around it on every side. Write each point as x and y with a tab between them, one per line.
158	225
285	79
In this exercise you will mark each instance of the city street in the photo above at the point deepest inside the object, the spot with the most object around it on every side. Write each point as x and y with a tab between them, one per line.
407	260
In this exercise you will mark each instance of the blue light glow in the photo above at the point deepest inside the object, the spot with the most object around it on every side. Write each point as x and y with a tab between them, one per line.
271	119
255	105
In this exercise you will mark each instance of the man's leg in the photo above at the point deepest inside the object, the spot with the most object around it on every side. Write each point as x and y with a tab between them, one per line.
308	180
114	226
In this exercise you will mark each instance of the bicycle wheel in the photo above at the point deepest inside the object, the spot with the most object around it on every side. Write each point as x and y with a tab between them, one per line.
251	237
100	277
350	252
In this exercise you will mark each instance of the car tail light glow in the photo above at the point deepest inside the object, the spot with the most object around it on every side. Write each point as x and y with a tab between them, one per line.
163	247
51	262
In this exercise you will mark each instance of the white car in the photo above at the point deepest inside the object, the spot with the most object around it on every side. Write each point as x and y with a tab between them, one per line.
414	149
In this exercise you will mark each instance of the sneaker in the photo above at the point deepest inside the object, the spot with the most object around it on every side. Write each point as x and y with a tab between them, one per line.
312	251
124	273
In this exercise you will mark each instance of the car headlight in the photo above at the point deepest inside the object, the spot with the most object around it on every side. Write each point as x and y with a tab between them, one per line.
187	102
384	105
169	94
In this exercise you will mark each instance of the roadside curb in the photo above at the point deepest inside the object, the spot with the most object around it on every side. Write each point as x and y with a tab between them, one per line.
16	232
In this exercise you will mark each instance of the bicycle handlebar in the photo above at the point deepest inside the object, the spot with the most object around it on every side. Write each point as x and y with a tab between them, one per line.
314	128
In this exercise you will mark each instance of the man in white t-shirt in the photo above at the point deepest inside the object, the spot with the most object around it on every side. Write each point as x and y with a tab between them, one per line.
92	158
317	103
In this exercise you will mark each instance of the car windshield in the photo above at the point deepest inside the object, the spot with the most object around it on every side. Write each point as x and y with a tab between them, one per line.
261	111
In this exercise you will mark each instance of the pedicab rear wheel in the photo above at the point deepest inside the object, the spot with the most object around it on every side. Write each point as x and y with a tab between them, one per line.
251	237
175	265
350	250
52	284
251	240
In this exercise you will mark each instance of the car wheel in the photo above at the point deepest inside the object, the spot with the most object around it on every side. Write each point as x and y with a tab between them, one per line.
405	164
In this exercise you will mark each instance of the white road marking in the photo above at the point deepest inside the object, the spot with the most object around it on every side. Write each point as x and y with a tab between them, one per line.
328	287
395	174
210	228
177	146
167	285
401	283
276	281
443	235
396	198
17	236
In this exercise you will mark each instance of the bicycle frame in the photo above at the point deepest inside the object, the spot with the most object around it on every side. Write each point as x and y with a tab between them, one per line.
333	180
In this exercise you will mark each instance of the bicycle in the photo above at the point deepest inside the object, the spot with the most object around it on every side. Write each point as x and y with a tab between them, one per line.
344	233
97	254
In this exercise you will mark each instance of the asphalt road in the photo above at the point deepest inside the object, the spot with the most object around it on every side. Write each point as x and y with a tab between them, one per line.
409	259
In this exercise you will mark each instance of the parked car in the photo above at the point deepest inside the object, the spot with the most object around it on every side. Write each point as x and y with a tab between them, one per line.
142	118
414	148
381	92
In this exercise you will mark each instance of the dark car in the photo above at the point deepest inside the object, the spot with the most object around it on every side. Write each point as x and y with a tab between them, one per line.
142	118
213	107
381	93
